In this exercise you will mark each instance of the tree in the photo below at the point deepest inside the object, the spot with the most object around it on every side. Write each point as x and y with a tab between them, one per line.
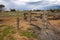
12	10
2	7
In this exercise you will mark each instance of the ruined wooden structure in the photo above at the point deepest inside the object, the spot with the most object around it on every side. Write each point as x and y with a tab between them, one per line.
46	31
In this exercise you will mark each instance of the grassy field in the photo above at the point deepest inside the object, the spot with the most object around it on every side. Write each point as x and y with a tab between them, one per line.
11	13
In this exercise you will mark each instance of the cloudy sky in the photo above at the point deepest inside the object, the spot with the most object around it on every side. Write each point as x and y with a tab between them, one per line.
31	4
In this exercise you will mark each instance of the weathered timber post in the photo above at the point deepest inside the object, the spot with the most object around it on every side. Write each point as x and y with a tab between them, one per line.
44	19
17	20
29	17
25	16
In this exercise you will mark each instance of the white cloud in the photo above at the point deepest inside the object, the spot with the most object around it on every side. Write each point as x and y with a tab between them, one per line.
56	2
21	3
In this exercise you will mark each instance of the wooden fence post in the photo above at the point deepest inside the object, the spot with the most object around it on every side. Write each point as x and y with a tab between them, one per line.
45	19
25	16
17	20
